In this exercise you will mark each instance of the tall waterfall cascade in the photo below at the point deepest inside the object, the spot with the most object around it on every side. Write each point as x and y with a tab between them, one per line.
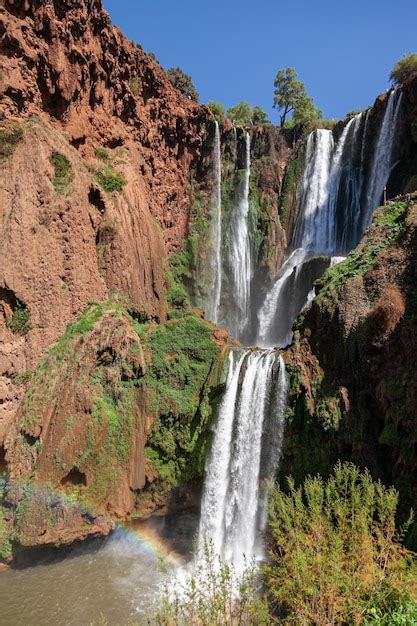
233	511
345	172
335	209
212	309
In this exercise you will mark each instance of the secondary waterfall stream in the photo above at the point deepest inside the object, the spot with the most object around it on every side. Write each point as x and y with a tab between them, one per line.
240	253
212	308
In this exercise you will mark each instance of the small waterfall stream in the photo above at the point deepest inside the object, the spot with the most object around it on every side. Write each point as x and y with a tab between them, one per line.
212	309
239	254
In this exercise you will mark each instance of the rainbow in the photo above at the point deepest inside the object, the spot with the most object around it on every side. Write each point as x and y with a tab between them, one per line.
151	541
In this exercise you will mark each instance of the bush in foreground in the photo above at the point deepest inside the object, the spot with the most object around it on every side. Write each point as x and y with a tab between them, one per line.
335	555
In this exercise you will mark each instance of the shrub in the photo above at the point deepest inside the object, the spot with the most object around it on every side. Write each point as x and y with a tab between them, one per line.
259	116
134	86
101	153
335	553
405	70
63	173
9	138
19	321
241	113
218	111
183	82
111	180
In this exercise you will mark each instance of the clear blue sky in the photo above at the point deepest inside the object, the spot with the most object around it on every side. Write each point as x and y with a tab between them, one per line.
342	50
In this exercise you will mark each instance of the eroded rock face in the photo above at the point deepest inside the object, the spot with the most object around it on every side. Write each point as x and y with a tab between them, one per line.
95	154
72	83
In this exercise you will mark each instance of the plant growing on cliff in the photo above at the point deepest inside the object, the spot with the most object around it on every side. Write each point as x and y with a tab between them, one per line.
335	554
259	116
405	70
63	173
241	114
19	321
110	180
244	114
183	82
10	136
290	96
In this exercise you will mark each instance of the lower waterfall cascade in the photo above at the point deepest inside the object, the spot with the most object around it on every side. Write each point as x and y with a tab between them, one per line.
336	206
233	515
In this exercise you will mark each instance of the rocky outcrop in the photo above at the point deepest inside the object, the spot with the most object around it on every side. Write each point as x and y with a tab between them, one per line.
352	365
116	415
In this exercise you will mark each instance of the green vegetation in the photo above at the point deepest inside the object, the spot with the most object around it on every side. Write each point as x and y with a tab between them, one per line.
306	112
63	173
290	96
101	153
183	82
218	111
243	114
403	615
6	547
178	382
385	228
405	70
19	321
10	137
335	555
134	86
110	180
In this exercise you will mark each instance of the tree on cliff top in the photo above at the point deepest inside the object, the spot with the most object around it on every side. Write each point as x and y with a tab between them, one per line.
290	96
244	114
405	70
183	82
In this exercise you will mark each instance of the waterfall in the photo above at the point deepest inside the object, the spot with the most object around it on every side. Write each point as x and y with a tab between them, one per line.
383	155
240	253
335	208
232	514
212	309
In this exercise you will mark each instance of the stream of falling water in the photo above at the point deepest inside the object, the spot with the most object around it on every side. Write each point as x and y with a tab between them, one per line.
212	309
240	252
233	514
